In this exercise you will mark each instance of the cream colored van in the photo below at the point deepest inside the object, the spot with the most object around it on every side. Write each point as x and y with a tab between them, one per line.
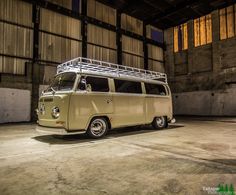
90	96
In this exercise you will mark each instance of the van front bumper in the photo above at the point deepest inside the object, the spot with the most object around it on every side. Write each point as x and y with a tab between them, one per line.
56	131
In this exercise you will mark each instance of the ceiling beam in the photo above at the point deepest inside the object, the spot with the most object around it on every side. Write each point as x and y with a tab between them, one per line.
172	10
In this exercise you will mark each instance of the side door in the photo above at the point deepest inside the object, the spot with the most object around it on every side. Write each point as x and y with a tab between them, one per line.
95	100
129	103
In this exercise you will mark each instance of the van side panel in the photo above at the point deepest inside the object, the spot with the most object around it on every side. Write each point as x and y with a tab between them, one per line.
129	109
85	105
158	106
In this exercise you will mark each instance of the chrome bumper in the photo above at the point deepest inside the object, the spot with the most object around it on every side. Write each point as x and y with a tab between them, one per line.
172	120
56	131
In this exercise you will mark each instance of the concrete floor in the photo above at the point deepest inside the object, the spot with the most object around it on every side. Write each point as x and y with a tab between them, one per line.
183	159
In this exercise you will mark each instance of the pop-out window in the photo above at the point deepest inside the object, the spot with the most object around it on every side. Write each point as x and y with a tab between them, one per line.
155	89
123	86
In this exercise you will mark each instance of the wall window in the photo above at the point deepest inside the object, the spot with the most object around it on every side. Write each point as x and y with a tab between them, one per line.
123	86
180	37
155	89
228	22
202	30
155	33
76	6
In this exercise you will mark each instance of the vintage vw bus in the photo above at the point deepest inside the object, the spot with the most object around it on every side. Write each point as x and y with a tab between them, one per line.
90	96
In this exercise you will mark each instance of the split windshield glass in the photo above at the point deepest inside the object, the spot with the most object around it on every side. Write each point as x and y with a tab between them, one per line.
62	82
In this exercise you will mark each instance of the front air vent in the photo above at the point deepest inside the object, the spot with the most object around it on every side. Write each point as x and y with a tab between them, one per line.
48	100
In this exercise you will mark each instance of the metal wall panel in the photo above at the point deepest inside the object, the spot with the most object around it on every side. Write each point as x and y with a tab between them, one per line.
58	49
16	40
101	36
60	37
132	45
155	52
131	24
156	66
103	44
100	53
12	65
132	52
101	12
16	11
60	24
133	61
155	61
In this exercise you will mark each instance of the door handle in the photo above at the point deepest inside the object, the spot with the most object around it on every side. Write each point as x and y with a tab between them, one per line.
108	101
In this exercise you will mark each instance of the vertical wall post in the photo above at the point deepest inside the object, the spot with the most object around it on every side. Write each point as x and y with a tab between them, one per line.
35	66
145	47
118	37
84	27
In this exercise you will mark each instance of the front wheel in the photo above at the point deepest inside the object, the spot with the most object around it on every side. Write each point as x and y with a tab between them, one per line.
98	128
160	122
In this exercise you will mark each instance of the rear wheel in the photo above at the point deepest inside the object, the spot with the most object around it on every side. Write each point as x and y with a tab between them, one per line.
98	127
160	122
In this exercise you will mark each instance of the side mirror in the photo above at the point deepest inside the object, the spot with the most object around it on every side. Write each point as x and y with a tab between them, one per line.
82	84
88	88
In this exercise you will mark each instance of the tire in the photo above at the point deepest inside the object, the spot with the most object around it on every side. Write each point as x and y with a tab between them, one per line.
98	128
160	122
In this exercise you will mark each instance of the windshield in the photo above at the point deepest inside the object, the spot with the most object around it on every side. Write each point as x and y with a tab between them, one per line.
62	82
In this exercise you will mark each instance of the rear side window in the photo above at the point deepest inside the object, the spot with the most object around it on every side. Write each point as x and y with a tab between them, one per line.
155	89
123	86
95	84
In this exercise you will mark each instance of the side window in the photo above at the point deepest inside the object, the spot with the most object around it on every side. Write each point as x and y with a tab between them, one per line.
123	86
94	84
155	89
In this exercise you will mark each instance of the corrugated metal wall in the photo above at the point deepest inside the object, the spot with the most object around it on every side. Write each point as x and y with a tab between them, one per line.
60	37
16	36
132	52
61	34
132	49
101	12
131	24
101	44
155	58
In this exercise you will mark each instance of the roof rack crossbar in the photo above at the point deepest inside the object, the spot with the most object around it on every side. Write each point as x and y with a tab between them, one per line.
81	64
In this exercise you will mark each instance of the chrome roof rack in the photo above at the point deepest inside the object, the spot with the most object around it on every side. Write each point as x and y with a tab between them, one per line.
85	65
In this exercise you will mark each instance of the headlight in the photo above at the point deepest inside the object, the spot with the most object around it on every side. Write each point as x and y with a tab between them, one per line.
55	112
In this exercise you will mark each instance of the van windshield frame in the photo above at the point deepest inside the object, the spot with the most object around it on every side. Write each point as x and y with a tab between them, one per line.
62	82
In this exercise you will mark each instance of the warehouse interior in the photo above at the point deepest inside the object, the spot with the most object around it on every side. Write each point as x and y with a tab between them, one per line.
192	41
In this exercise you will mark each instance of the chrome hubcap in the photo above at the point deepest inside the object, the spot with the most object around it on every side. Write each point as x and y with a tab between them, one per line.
98	127
160	121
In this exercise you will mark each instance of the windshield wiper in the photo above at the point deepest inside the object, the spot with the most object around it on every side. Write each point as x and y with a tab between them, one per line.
53	90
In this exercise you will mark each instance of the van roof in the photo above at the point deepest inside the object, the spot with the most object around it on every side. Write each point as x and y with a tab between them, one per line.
101	68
